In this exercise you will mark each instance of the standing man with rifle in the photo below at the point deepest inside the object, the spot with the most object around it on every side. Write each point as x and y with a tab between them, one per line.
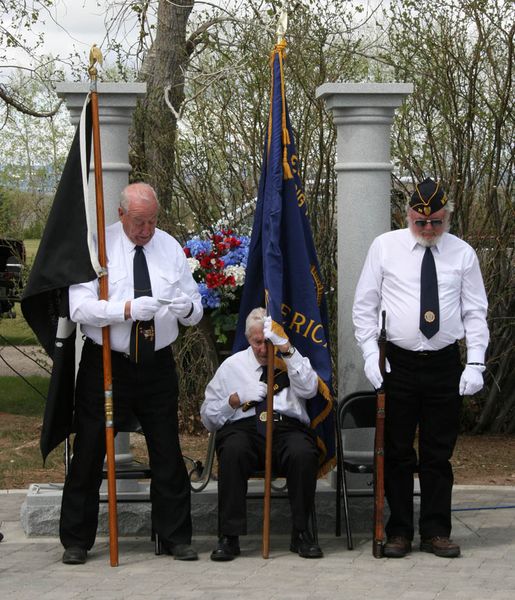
430	284
151	291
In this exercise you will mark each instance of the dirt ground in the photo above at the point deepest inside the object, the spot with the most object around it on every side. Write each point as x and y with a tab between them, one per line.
479	460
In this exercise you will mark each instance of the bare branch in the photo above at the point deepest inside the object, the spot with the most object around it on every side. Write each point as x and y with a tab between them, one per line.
23	108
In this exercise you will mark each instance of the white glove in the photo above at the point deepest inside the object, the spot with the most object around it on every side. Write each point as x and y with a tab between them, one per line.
372	370
276	340
181	305
254	391
471	380
144	308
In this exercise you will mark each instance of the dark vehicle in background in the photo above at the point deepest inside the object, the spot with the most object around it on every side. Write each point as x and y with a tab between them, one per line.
12	260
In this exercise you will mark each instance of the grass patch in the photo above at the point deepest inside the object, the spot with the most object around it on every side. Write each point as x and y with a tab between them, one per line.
31	247
16	330
18	398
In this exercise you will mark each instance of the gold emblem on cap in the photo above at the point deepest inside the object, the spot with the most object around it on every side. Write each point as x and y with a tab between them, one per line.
262	417
429	316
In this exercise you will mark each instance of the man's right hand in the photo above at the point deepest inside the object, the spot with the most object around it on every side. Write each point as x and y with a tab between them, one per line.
372	370
254	391
144	308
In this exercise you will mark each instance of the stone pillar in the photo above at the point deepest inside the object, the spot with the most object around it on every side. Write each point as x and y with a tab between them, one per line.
116	103
363	115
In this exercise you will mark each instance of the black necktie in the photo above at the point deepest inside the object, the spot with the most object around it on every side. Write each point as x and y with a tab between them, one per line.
142	332
429	304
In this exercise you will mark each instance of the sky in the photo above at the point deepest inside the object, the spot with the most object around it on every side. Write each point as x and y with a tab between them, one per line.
70	25
78	24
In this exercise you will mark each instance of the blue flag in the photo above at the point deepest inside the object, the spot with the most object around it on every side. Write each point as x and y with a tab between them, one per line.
282	268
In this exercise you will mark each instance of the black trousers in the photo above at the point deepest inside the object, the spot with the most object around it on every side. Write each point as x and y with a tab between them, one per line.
241	452
421	390
150	392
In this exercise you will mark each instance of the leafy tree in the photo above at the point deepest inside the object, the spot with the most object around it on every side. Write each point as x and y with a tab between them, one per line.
33	155
17	20
459	126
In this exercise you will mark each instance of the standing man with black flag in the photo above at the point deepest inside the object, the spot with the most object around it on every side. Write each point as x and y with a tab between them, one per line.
430	285
151	291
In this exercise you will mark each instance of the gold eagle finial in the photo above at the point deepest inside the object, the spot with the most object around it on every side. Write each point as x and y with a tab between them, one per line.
95	56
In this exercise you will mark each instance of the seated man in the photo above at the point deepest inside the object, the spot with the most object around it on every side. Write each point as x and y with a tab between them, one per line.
230	407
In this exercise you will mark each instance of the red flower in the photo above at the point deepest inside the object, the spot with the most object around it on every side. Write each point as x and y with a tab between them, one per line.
187	252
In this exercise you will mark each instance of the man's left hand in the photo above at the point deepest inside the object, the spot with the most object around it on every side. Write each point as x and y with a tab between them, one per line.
276	340
181	306
471	380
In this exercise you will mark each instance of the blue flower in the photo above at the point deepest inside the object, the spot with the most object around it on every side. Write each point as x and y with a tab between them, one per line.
196	246
210	297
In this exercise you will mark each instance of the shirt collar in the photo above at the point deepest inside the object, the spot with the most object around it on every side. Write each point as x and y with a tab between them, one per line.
128	245
413	242
254	364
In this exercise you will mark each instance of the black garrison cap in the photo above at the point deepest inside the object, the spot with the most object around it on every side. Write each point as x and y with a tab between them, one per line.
428	197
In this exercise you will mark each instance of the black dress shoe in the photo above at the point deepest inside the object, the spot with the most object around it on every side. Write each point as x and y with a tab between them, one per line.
75	556
304	545
179	551
397	546
228	548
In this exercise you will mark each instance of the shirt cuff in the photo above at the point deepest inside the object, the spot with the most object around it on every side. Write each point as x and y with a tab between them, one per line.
475	355
115	311
227	411
295	361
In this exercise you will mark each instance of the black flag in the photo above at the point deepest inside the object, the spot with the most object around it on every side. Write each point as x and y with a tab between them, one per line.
64	257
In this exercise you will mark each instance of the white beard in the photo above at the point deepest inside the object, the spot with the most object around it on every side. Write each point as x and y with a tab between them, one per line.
427	243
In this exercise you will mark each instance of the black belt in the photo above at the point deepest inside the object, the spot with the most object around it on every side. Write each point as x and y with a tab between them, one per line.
393	349
91	343
280	418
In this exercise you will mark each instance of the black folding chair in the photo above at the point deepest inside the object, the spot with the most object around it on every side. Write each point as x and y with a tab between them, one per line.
356	416
134	471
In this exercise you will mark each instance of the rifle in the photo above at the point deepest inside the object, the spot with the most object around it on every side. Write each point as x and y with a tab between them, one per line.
377	548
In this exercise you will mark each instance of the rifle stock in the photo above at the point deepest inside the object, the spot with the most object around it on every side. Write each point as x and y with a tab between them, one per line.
378	541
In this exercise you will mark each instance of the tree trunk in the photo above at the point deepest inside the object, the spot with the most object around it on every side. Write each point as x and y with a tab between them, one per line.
165	82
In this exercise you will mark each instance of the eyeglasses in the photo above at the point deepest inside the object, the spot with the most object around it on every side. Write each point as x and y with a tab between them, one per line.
432	222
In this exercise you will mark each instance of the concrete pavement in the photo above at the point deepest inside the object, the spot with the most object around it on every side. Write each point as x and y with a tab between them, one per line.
483	524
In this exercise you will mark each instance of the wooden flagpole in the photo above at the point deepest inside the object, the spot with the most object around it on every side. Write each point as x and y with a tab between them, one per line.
281	31
268	449
96	56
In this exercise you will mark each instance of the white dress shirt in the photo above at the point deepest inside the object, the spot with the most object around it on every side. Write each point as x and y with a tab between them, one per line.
390	281
169	272
242	368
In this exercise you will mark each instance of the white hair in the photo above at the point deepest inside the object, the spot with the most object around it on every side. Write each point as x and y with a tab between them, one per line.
256	317
139	190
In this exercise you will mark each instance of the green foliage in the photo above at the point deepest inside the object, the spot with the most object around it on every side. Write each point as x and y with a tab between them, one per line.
18	398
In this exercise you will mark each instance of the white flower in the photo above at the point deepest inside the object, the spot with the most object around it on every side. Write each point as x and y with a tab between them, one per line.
193	264
238	272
